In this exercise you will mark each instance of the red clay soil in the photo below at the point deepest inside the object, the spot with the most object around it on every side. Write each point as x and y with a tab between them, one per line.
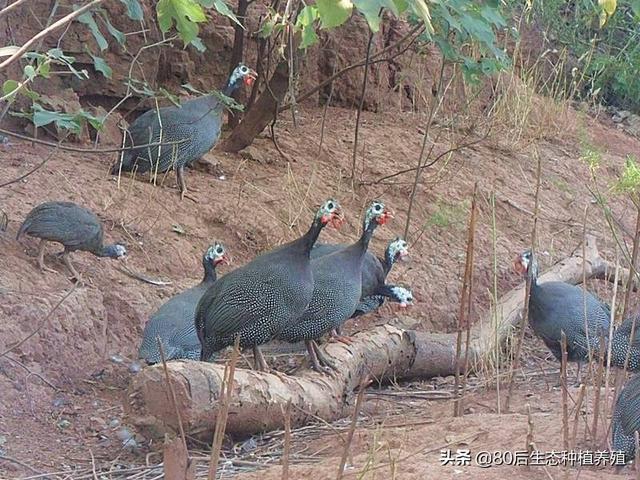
62	389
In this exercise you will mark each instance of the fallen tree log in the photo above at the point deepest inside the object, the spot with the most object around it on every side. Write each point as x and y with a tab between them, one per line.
383	353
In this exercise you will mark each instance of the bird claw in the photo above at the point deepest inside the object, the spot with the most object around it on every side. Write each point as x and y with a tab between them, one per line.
340	338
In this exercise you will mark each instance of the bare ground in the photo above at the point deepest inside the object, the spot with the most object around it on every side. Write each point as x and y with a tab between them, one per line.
62	389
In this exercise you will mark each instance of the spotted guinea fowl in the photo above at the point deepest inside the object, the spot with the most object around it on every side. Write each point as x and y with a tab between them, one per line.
623	344
197	121
258	299
555	307
374	272
174	321
396	293
337	289
73	226
626	418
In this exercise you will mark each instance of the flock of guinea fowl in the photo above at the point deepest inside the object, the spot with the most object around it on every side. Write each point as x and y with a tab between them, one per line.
303	290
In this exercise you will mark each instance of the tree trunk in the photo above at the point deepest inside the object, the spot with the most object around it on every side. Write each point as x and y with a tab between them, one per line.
384	353
261	113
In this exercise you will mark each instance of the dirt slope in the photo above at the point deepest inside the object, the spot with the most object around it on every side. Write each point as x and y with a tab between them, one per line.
251	205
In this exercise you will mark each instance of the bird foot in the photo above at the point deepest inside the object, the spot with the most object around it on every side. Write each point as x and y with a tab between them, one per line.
340	338
184	195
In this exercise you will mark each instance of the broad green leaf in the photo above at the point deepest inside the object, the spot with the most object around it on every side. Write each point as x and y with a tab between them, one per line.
89	21
421	9
185	13
198	45
8	50
223	9
371	11
401	6
115	33
44	67
30	93
333	13
101	66
134	10
305	21
29	72
635	7
9	87
67	121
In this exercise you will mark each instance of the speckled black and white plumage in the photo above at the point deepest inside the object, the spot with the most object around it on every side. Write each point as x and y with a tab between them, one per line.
199	120
174	321
258	299
622	344
374	273
555	307
337	285
75	227
395	293
626	418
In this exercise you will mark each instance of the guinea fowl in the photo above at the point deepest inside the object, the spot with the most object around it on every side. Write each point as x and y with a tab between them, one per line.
374	273
258	299
622	344
73	226
556	307
337	289
174	322
626	418
197	122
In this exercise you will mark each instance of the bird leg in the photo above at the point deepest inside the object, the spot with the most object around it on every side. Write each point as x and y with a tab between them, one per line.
315	364
67	261
182	186
334	336
322	358
41	264
260	364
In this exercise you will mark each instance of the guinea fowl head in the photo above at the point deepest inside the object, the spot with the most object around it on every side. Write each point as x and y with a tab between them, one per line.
116	250
376	212
330	212
217	254
526	264
403	296
398	249
241	74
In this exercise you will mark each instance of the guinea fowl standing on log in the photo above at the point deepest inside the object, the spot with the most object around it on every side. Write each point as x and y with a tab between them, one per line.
258	299
198	122
626	419
174	322
73	226
337	289
556	307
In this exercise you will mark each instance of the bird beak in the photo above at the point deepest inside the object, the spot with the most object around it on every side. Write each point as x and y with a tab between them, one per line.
250	78
518	266
226	259
337	219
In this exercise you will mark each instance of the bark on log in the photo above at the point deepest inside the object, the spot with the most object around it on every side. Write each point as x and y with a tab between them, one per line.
383	353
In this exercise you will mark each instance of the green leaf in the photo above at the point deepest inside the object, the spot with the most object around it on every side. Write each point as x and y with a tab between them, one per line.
371	11
101	66
29	72
185	13
635	7
223	9
333	13
30	93
9	87
115	33
44	67
401	6
198	45
134	10
89	21
305	21
67	121
420	8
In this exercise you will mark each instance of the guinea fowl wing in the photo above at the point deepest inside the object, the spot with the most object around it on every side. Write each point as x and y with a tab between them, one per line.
232	305
629	406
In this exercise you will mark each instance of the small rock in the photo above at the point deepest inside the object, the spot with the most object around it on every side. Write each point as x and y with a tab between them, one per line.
255	154
59	402
176	227
124	434
63	423
135	367
621	116
114	423
116	358
3	440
